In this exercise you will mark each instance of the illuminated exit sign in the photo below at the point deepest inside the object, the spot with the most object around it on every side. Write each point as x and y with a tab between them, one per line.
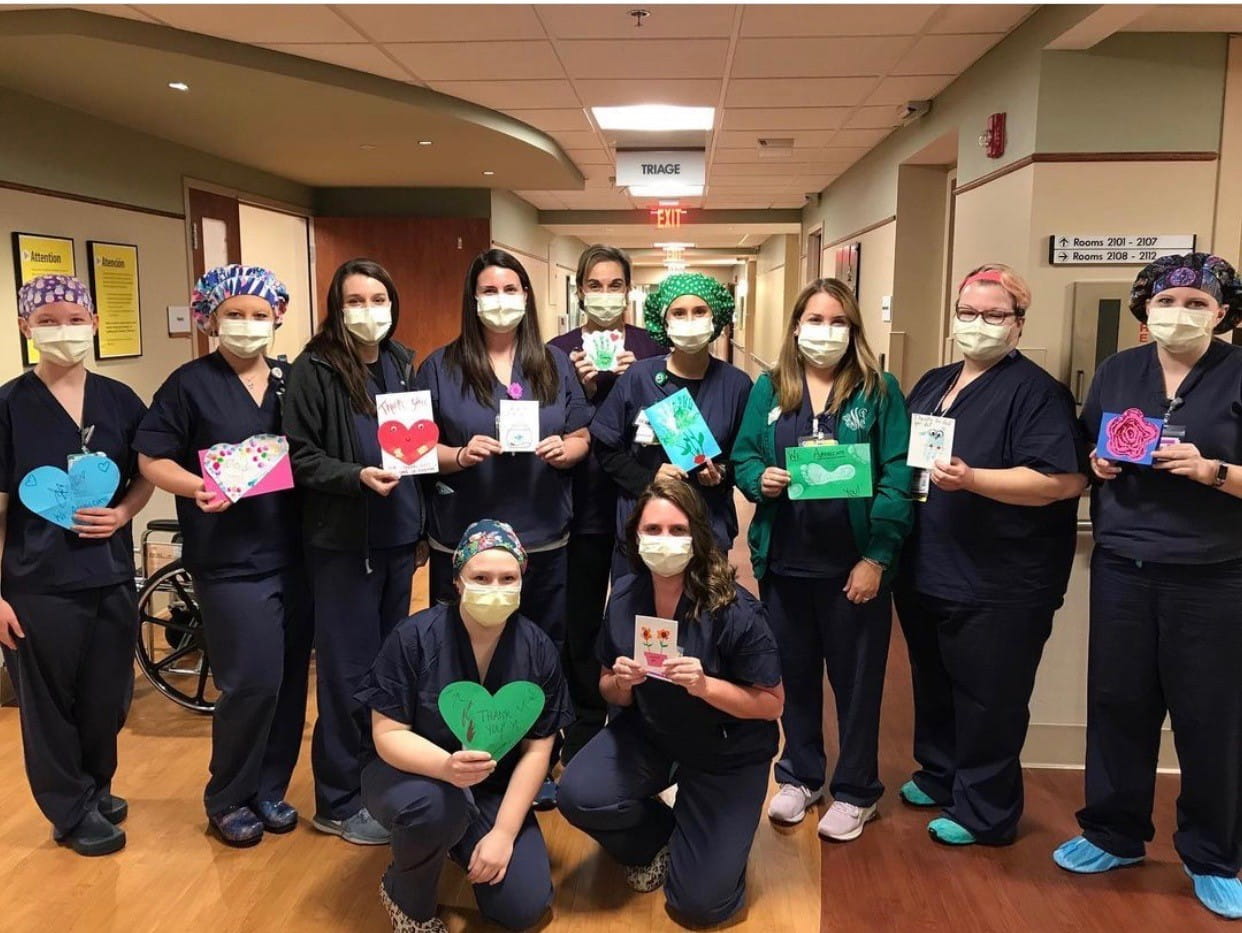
668	218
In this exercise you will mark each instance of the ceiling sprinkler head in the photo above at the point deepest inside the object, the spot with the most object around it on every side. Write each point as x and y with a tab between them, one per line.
639	15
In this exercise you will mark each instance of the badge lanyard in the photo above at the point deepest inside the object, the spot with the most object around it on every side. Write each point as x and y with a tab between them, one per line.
88	432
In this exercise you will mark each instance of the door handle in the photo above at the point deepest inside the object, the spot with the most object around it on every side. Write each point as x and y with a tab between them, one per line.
1078	387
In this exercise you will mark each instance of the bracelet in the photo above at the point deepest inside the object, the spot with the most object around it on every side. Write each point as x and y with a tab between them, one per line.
874	562
457	458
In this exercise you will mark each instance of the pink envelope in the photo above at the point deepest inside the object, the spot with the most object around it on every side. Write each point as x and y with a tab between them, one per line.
255	467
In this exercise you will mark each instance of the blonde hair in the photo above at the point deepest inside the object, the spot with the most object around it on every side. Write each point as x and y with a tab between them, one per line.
858	367
1004	276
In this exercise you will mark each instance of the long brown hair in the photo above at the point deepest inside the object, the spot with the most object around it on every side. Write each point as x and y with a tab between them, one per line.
340	349
468	353
709	580
859	366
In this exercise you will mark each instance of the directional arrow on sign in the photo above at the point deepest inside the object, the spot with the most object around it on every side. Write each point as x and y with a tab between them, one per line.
1064	241
1062	256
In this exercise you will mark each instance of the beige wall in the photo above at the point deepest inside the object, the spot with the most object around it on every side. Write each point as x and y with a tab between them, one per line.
918	272
1228	236
778	274
278	241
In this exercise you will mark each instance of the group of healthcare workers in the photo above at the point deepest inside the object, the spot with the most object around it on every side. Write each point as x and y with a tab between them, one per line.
545	564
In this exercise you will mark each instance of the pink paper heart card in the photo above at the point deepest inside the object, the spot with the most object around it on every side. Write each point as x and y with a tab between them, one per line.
257	466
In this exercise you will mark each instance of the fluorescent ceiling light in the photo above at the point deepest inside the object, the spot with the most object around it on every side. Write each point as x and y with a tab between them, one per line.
178	85
666	190
673	245
654	117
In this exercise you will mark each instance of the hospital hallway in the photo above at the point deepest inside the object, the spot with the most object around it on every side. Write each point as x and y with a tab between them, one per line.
173	876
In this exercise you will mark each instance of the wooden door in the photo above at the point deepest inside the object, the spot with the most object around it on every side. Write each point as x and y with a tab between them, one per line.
215	239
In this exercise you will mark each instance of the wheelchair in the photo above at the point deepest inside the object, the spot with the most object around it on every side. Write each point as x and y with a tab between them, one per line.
172	650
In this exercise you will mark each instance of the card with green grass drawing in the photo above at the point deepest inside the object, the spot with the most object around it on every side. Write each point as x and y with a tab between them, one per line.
682	432
841	471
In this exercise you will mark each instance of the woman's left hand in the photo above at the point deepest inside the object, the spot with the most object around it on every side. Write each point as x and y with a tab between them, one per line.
710	474
624	359
687	672
490	860
1185	460
98	524
953	476
863	582
551	450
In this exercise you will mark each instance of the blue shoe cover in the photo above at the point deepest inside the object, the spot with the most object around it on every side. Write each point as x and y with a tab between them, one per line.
950	833
1086	858
1222	896
911	794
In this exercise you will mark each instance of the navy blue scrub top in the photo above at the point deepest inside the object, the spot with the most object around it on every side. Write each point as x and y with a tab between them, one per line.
970	549
1148	514
532	496
35	431
430	650
395	520
811	537
721	396
733	644
595	494
204	403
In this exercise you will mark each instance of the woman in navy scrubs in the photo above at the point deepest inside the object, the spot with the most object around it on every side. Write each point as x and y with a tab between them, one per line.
362	525
710	727
500	355
987	564
824	566
68	606
440	800
603	292
687	312
1166	583
245	557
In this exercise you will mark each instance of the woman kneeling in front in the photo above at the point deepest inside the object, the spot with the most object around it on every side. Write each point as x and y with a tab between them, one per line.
708	722
438	799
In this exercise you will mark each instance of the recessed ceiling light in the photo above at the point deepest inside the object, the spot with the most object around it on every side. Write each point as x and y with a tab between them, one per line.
673	245
178	85
666	190
367	147
424	142
489	172
670	203
654	117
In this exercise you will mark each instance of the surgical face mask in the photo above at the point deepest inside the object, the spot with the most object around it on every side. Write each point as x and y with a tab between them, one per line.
490	606
980	341
246	339
823	344
1179	329
603	308
503	312
369	324
64	345
665	555
690	335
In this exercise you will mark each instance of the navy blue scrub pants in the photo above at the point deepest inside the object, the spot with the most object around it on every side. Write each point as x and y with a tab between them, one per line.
74	679
1165	637
543	588
354	612
609	792
432	821
590	557
259	632
816	626
973	669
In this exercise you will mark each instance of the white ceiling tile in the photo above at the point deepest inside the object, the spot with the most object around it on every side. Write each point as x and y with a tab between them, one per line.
509	60
511	95
653	58
552	120
542	200
1166	17
689	93
749	139
862	19
419	22
110	9
816	58
840	154
766	168
944	55
982	17
899	90
867	138
797	92
784	118
576	139
870	118
257	23
585	157
359	56
674	21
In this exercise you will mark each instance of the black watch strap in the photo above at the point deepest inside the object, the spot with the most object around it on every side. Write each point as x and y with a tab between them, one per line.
1222	473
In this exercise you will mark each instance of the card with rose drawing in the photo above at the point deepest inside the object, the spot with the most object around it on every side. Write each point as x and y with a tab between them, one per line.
655	641
1129	436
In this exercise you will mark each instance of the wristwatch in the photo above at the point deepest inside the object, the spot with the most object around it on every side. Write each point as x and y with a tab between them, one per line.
1222	473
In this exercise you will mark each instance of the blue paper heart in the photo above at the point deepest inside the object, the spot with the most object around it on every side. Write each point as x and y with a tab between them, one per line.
55	495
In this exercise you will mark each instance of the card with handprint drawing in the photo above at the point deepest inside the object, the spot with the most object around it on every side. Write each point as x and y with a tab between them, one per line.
682	432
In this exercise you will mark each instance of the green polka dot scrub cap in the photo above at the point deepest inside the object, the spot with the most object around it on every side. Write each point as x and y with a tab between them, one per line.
687	283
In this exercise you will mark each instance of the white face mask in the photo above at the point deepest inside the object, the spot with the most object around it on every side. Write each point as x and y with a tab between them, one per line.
980	341
603	308
823	344
502	312
1179	329
246	339
665	555
64	345
690	335
370	324
490	606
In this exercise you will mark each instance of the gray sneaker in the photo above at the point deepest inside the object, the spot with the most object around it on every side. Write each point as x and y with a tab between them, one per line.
790	803
362	829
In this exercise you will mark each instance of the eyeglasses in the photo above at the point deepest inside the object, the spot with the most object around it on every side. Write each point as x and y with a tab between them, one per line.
991	316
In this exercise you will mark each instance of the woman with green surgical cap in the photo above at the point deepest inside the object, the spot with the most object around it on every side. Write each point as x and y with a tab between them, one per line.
686	313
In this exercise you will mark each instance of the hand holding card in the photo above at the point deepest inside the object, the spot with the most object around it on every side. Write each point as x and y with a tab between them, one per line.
1128	436
655	642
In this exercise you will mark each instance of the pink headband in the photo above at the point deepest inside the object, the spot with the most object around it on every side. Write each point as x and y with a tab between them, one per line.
987	275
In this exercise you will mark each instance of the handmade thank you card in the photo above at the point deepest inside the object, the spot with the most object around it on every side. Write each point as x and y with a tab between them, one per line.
55	495
931	439
837	471
518	426
682	432
255	467
655	641
1129	436
484	722
603	347
407	433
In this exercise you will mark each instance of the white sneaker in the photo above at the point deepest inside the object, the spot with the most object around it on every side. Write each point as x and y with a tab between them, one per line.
790	803
844	821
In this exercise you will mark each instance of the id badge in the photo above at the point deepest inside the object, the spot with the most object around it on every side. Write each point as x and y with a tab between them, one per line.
920	484
74	458
643	434
1172	434
817	440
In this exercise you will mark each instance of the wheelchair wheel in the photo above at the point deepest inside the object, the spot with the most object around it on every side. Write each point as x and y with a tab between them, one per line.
172	651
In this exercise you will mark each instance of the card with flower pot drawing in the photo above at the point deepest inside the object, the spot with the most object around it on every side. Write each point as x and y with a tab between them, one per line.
1128	436
655	641
682	432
